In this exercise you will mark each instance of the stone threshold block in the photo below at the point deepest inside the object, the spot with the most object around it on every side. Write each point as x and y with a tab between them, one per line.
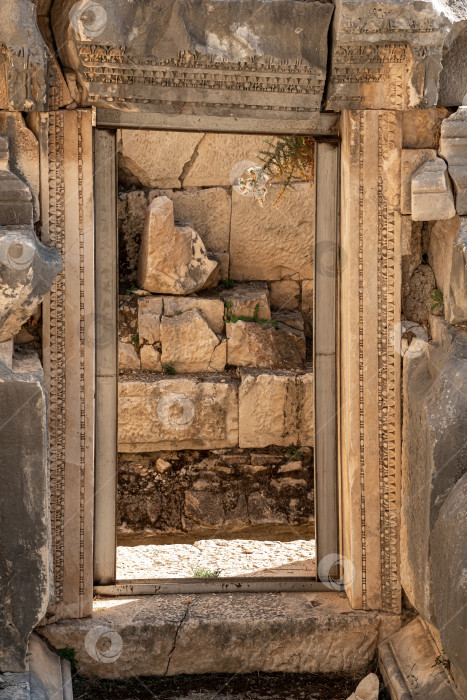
408	664
177	414
218	633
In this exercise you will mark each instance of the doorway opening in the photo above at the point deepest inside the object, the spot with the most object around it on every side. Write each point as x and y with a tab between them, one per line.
217	438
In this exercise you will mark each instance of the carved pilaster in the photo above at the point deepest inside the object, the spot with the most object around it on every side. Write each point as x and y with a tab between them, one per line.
370	375
68	332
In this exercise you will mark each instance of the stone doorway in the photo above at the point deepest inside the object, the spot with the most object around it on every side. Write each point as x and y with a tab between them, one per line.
249	489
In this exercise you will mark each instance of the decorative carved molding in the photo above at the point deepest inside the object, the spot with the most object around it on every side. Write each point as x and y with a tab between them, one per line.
68	339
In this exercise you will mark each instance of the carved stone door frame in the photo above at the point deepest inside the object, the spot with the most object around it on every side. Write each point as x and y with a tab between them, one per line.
325	328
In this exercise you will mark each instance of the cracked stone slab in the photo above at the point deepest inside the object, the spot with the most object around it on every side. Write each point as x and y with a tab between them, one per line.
226	633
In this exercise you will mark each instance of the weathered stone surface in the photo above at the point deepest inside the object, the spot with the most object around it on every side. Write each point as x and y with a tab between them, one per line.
15	195
25	568
15	686
128	358
243	299
367	689
149	319
23	153
422	128
288	40
157	158
212	310
411	160
386	55
447	256
432	197
442	235
262	346
448	552
329	634
273	243
453	78
188	342
206	210
434	455
177	413
453	147
417	301
150	359
27	270
284	294
306	306
50	675
409	662
132	208
172	260
282	406
6	353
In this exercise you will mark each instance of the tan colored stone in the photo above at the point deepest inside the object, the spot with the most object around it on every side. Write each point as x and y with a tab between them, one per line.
6	352
223	258
442	235
273	243
149	319
285	294
188	342
177	414
212	310
219	357
367	689
128	358
261	346
222	158
206	210
162	465
150	358
275	409
157	158
421	127
24	153
244	298
306	305
432	197
172	259
411	160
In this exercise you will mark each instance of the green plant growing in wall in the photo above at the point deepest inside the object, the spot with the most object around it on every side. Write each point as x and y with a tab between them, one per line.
232	318
437	297
228	283
135	339
201	572
68	653
168	368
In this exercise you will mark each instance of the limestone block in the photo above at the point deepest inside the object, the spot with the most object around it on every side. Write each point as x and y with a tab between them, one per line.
262	346
27	271
25	543
50	675
442	235
6	353
284	294
23	153
219	357
367	689
453	147
306	306
243	299
212	310
432	197
275	409
453	77
188	342
273	243
223	258
177	414
206	210
149	319
157	158
128	358
455	308
150	359
421	127
15	195
411	160
172	260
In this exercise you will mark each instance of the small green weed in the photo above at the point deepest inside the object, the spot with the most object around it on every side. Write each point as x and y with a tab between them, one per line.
131	290
293	451
442	660
68	653
168	368
437	297
228	283
231	318
201	572
135	339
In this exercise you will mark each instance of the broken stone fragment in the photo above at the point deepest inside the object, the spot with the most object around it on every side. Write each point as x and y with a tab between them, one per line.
172	260
211	309
128	358
162	465
411	160
149	319
27	271
432	197
284	294
262	346
453	147
177	413
15	196
23	153
455	310
244	298
367	689
150	358
6	353
188	342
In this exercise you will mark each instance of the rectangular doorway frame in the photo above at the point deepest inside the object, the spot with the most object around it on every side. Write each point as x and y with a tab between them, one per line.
325	337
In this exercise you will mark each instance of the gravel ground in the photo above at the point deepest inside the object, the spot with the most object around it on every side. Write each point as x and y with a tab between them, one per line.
231	557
